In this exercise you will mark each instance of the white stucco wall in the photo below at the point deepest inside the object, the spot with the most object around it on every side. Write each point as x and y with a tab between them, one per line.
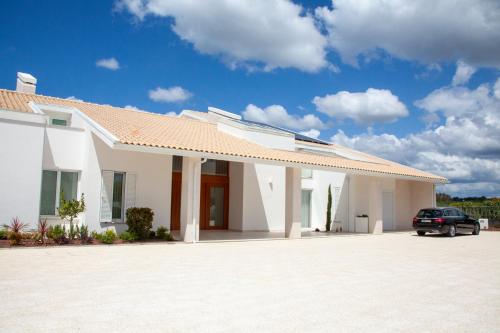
404	211
263	197
21	148
236	178
63	148
366	198
318	185
422	196
153	181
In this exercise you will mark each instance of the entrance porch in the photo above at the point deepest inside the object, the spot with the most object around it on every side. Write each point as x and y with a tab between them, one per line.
234	235
216	195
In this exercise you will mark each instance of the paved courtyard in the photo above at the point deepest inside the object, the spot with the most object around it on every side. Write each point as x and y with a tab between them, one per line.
394	282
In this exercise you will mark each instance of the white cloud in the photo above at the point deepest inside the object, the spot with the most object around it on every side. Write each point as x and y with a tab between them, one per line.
135	108
463	74
170	95
374	105
427	31
496	89
312	133
430	70
108	63
265	34
74	98
131	107
456	100
278	116
465	148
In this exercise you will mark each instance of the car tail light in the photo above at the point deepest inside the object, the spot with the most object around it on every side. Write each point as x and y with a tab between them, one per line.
439	220
415	220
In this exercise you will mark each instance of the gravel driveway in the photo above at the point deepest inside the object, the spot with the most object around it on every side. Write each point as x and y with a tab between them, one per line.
395	282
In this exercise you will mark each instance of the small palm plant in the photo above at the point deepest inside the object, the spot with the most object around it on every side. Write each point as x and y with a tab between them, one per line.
15	230
43	229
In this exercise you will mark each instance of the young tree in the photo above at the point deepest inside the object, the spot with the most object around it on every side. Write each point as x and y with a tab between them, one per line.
329	209
69	210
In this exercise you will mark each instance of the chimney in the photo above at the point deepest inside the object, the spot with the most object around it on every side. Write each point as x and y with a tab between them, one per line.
26	83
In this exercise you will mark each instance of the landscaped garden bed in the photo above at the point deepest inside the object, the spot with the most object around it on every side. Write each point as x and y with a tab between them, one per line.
139	222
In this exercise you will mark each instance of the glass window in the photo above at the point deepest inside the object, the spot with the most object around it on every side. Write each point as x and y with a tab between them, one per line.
177	163
216	206
59	122
215	167
57	185
118	180
48	195
305	216
448	212
430	213
69	183
307	173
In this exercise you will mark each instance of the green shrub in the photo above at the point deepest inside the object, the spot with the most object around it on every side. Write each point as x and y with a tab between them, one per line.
162	233
140	221
168	237
57	234
3	233
83	233
95	235
108	237
128	236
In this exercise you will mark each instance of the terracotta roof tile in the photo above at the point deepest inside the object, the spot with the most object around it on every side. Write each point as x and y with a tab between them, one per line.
155	130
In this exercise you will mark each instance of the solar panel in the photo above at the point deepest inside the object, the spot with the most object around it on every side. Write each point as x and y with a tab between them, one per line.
298	136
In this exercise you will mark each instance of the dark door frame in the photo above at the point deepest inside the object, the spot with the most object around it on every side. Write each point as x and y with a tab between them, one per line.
207	181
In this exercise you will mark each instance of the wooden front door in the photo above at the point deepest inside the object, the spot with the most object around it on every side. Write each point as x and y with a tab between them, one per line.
175	207
214	202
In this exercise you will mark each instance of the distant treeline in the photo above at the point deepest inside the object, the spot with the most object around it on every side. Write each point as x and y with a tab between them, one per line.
444	199
477	207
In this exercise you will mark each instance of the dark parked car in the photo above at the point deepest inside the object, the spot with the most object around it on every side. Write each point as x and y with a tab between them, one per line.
448	220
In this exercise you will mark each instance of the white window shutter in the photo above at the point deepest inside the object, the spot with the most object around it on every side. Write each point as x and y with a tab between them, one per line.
106	196
130	181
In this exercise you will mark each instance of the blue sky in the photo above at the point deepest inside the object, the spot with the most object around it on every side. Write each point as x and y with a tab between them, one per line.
219	57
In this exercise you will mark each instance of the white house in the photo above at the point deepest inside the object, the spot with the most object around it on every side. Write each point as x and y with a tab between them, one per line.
197	171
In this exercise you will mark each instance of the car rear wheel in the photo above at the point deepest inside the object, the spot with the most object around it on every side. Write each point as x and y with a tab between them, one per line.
452	231
476	229
421	233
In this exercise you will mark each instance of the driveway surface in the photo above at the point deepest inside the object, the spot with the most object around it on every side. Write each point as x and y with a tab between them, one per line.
395	282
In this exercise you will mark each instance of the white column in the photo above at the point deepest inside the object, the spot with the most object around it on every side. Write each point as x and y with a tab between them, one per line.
293	189
190	199
375	208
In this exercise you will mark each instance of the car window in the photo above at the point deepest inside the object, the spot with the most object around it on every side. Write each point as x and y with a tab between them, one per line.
456	212
430	213
448	212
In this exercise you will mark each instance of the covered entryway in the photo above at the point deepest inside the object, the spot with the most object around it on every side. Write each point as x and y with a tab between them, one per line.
214	194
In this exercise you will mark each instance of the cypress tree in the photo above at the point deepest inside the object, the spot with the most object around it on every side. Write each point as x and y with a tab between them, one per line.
329	209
